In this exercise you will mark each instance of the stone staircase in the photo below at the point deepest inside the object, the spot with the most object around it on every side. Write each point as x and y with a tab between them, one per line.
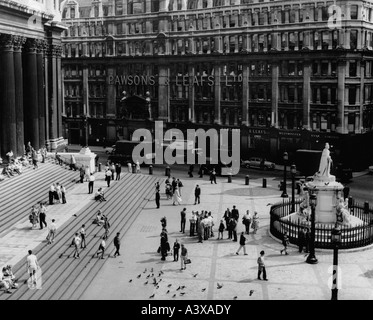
63	276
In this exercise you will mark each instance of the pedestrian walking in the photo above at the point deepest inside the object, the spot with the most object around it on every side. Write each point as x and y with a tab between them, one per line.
138	170
221	230
112	169
157	199
176	196
213	176
183	256
165	246
118	170
52	232
34	217
81	174
261	266
227	216
42	215
101	248
192	226
58	193
72	163
35	158
82	233
106	227
200	228
91	183
63	194
246	220
301	239
52	190
182	220
176	249
179	185
87	173
235	214
32	265
233	225
76	241
117	245
242	244
197	194
108	177
255	222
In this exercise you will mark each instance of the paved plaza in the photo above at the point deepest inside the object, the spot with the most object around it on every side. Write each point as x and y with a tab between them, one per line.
213	261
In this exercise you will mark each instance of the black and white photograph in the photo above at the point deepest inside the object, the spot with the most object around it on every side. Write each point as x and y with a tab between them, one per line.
186	156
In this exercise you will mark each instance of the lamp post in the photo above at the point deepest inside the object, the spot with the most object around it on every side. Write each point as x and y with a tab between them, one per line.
336	240
293	171
311	257
148	104
285	158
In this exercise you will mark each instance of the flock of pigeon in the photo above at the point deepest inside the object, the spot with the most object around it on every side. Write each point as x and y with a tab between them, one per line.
155	280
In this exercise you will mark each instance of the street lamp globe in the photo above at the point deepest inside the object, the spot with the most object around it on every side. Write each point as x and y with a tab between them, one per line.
285	156
293	169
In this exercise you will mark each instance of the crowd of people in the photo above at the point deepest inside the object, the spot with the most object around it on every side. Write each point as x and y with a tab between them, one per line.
15	165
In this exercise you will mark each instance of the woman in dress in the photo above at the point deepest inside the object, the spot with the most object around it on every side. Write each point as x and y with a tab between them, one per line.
255	222
176	196
34	219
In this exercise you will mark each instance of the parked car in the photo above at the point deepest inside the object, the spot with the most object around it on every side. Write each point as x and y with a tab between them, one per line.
370	169
257	162
109	150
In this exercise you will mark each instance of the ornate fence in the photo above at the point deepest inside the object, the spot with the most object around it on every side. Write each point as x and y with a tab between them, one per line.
352	237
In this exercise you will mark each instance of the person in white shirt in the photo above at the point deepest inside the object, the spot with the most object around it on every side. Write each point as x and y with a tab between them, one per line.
91	183
108	177
52	231
58	191
77	240
101	248
138	167
32	265
52	190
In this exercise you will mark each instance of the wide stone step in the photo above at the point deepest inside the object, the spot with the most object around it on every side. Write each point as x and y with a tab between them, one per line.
63	275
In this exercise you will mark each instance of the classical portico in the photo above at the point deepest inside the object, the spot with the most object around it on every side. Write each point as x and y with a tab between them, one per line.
30	82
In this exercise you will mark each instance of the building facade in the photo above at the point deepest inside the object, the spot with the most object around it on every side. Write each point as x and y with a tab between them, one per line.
288	74
30	82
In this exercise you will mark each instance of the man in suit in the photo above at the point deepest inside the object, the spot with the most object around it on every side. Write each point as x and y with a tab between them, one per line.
157	198
235	214
197	194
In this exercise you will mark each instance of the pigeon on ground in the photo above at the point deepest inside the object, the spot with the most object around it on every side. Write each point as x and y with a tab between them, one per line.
178	288
159	280
174	295
154	280
219	286
152	296
251	292
157	287
138	276
235	297
161	272
169	285
182	287
147	276
182	293
204	289
145	270
195	275
167	291
130	280
146	282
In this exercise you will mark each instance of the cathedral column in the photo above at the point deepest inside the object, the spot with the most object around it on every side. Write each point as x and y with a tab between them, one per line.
7	97
31	93
42	44
18	73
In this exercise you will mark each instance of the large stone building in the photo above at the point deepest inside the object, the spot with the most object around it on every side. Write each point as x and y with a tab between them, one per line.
289	74
30	77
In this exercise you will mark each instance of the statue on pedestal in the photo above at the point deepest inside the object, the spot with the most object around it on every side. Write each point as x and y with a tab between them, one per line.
325	162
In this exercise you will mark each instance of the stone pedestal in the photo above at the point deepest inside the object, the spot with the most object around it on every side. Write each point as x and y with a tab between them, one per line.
85	157
327	191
